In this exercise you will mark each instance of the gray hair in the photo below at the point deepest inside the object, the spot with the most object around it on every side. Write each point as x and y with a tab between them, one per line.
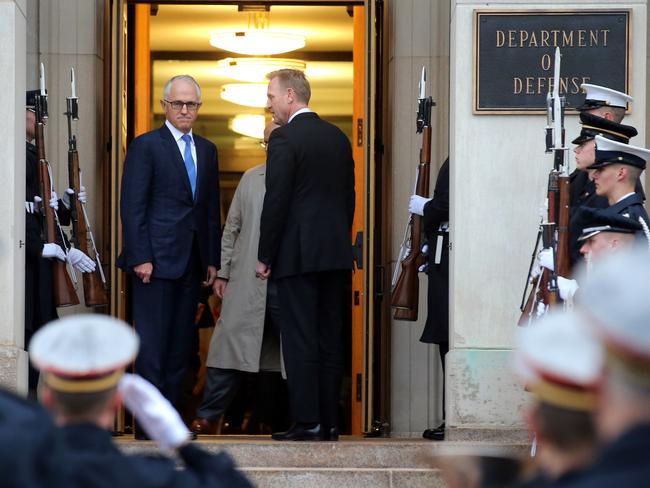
188	78
294	79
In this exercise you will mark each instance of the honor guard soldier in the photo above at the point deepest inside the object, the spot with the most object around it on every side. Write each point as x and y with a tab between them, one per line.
615	299
40	305
617	170
82	359
435	213
605	232
559	361
604	102
582	189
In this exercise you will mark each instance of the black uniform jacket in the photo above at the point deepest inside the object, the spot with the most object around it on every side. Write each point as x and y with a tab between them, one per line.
622	463
39	295
91	459
30	450
582	193
309	202
632	207
436	211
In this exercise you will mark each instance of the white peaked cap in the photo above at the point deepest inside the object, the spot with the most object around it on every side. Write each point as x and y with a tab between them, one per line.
85	352
612	152
616	294
600	96
561	347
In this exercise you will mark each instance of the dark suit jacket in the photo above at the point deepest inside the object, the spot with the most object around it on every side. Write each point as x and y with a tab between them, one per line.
159	215
309	201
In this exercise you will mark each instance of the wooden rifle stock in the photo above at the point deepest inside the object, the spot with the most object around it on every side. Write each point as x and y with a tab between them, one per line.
563	267
558	211
64	291
94	291
405	295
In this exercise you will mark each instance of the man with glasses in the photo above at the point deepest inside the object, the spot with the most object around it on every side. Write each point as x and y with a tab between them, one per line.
171	233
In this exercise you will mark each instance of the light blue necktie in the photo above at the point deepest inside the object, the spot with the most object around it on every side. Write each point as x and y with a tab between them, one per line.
189	162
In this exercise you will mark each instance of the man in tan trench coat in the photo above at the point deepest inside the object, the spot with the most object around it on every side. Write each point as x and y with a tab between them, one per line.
241	343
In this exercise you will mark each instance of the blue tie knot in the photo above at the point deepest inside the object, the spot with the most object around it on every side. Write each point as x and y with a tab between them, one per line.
189	161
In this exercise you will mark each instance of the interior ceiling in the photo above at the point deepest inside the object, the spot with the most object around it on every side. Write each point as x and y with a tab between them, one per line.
328	52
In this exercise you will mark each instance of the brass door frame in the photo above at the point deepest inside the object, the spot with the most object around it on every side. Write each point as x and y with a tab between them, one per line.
375	340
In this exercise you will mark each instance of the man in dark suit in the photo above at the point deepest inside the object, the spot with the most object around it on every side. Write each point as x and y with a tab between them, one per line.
305	246
171	236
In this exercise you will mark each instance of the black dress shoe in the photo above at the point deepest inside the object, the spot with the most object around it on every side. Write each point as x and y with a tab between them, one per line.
300	432
331	433
437	434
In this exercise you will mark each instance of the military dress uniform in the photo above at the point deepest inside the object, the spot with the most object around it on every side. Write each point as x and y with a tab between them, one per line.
612	152
436	229
39	296
560	363
615	297
582	190
86	355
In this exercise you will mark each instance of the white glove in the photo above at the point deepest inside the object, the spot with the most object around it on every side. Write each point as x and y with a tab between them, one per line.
51	250
416	204
69	191
545	258
567	288
80	261
155	414
54	201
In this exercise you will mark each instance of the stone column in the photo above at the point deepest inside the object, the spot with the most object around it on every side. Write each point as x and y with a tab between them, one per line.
498	181
13	359
418	35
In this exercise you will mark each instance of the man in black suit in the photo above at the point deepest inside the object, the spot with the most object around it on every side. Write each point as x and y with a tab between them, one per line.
171	237
305	246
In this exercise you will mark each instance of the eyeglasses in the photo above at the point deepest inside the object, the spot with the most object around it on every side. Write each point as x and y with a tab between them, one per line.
178	105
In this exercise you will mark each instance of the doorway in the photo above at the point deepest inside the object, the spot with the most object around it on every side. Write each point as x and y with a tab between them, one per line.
154	41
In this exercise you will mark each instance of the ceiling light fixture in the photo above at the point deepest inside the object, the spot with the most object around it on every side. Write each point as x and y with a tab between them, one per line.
258	39
248	125
254	70
247	94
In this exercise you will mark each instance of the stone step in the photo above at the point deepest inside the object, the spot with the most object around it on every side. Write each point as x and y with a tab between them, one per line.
344	478
353	462
381	455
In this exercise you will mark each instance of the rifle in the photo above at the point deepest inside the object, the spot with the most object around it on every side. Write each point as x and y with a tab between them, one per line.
554	228
405	292
94	283
64	291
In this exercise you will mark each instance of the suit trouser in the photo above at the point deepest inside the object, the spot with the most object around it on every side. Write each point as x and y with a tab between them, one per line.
311	322
163	313
222	384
